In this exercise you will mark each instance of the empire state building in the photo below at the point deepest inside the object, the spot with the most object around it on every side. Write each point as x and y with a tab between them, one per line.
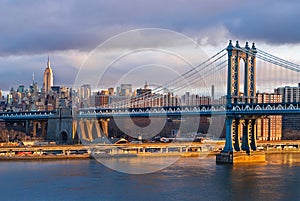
48	78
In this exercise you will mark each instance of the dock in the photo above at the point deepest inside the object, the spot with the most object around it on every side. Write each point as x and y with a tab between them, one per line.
180	149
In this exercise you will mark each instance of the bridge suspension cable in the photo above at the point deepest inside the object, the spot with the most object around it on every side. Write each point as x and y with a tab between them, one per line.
195	71
273	59
192	76
217	68
279	59
196	74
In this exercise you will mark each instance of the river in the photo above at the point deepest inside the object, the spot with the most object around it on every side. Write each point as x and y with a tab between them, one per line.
187	179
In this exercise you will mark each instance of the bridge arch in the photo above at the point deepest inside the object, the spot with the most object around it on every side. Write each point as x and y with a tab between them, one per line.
63	136
237	94
236	54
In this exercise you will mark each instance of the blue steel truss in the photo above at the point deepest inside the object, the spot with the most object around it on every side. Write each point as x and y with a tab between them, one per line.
261	109
34	115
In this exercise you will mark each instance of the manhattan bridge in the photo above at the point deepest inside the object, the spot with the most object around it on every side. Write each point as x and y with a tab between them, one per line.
241	105
240	102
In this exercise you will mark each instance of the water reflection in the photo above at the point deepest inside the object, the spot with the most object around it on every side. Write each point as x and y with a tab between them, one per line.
186	179
277	179
138	165
289	158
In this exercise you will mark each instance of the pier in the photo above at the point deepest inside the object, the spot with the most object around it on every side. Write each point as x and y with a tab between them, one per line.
180	149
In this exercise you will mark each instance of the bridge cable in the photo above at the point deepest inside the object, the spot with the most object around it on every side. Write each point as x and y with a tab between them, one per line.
185	75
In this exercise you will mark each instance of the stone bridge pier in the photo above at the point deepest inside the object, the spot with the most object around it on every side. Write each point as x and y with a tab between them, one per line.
90	129
59	127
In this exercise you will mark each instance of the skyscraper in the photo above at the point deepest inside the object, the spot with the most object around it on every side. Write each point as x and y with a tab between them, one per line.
126	89
85	92
48	78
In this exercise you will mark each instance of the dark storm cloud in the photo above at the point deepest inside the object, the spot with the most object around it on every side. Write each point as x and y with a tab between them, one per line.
42	26
274	22
33	29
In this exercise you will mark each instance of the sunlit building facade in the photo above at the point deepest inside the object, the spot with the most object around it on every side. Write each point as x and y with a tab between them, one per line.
269	127
48	78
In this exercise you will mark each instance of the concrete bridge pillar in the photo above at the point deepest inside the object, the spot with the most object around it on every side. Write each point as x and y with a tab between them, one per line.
89	129
253	135
247	131
89	124
74	130
104	126
235	55
27	127
82	132
35	123
228	144
43	123
235	124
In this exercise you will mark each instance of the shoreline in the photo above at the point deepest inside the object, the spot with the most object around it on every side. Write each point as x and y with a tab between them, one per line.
89	156
54	157
195	149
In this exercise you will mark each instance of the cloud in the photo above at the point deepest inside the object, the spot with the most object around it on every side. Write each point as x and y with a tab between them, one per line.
16	70
43	26
274	22
30	30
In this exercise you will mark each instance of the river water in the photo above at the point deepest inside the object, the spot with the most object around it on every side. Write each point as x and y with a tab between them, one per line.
186	179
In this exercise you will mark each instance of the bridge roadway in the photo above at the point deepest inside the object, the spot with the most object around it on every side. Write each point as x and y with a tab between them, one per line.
236	109
256	109
33	115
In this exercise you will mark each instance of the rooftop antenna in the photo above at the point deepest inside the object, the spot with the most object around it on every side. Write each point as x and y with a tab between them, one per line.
48	62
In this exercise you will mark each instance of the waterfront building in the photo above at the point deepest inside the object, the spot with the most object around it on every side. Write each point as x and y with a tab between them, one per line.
290	123
100	99
194	99
170	99
270	127
289	94
117	99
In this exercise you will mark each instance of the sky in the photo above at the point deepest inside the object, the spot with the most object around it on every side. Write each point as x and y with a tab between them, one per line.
68	31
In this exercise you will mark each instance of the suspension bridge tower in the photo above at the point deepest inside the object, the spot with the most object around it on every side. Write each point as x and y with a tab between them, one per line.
236	97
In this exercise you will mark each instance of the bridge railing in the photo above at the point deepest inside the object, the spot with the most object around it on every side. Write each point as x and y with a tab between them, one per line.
27	114
237	109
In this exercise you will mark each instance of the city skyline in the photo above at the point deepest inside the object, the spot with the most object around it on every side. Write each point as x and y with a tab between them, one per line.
67	36
150	100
